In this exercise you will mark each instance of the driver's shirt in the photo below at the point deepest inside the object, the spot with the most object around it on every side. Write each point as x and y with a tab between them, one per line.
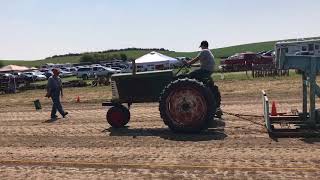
206	60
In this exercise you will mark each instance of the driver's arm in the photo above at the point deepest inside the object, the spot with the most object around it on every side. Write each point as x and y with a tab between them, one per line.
194	60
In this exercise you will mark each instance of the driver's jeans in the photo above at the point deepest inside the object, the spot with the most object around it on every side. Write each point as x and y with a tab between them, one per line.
200	74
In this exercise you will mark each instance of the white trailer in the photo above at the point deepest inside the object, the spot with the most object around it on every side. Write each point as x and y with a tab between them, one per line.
299	47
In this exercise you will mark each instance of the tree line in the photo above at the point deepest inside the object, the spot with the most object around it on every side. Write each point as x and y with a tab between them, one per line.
97	57
109	51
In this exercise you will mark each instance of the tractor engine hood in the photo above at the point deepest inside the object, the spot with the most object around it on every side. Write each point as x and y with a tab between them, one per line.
141	87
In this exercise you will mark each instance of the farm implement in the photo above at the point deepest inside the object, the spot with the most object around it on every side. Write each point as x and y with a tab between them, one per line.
307	121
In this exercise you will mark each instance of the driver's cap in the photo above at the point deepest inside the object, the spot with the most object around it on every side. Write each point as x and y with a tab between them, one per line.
204	43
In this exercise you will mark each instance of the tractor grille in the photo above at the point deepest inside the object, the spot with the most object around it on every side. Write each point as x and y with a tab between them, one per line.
115	93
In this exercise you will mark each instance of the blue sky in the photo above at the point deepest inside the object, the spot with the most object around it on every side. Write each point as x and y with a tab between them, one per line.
35	29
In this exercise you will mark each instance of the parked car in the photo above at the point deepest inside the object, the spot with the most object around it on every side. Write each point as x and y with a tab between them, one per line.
84	72
268	53
73	70
96	65
103	71
38	76
117	69
48	73
244	61
43	70
88	72
8	75
65	73
262	52
16	74
28	76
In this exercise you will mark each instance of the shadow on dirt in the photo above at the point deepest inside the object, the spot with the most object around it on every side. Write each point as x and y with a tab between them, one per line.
51	120
216	133
312	140
310	137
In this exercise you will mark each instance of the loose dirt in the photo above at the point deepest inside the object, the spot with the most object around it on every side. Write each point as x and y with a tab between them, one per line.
83	146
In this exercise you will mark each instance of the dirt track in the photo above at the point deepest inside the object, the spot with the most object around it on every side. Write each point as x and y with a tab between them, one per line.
83	146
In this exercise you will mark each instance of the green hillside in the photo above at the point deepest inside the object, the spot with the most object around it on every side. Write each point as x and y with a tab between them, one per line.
133	54
254	47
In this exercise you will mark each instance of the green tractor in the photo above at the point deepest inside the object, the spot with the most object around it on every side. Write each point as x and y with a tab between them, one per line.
185	105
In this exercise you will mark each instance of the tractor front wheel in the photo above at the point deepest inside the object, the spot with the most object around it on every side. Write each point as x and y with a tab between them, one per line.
118	116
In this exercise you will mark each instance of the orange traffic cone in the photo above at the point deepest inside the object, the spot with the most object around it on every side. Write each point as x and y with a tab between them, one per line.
274	109
78	99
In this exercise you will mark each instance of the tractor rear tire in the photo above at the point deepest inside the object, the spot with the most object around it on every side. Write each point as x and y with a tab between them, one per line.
187	105
217	95
217	98
118	116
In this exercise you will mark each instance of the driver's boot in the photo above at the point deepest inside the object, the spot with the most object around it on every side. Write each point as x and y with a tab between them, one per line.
218	113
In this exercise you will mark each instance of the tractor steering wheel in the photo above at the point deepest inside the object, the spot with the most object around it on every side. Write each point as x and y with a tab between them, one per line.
184	64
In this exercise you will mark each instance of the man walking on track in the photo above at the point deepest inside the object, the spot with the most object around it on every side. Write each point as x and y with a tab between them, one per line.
54	90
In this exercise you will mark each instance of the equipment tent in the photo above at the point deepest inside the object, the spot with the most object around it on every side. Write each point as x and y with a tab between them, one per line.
155	61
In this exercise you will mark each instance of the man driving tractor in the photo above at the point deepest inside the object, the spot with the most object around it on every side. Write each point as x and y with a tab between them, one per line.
207	64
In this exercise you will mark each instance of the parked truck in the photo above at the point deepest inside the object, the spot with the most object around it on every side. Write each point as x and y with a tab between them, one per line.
244	61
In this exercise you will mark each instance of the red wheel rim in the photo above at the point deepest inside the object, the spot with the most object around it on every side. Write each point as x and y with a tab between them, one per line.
186	106
117	119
